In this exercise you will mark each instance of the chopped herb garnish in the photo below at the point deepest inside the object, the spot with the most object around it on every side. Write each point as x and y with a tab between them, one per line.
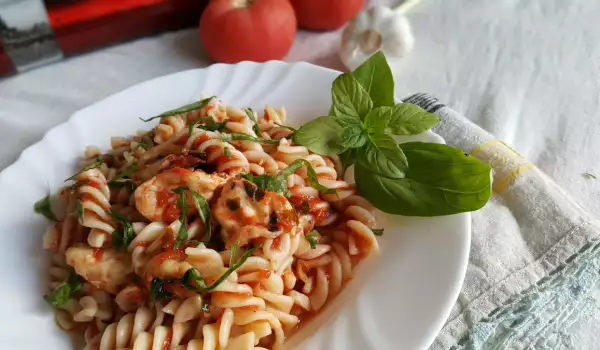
193	281
209	125
127	172
182	235
157	288
273	221
120	183
44	207
80	211
183	109
99	161
312	175
63	292
377	231
145	143
121	238
204	213
233	204
250	114
269	183
227	152
244	137
313	238
590	176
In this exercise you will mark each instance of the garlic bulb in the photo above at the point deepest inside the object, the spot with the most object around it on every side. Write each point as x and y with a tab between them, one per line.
379	28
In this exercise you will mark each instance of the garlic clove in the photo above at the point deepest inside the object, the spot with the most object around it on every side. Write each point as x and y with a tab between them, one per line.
378	28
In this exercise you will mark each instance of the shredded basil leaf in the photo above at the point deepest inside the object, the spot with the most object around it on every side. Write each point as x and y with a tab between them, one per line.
227	152
44	207
377	231
127	172
285	126
63	292
193	281
183	109
211	125
99	161
313	238
120	183
121	238
312	175
157	288
80	211
182	235
250	114
591	176
204	213
244	137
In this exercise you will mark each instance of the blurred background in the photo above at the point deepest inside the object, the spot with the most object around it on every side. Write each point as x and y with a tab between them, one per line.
527	71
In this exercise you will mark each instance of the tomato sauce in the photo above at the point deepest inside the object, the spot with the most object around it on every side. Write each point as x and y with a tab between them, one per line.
97	254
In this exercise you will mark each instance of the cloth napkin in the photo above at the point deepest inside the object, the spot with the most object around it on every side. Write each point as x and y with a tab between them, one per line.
534	259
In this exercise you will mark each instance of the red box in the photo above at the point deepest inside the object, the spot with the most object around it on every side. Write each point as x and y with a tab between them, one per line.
90	24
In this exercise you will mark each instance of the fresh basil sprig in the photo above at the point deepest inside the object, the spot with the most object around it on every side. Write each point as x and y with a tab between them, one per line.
203	212
192	279
44	207
183	109
417	179
63	292
121	238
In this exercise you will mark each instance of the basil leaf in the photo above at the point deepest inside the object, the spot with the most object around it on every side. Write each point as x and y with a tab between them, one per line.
269	183
375	76
244	137
285	126
348	158
80	211
250	114
446	167
440	181
349	98
193	280
321	136
63	292
353	136
99	161
312	175
127	172
121	238
120	183
383	156
204	213
157	288
44	207
183	109
312	238
410	119
377	231
211	125
378	119
182	235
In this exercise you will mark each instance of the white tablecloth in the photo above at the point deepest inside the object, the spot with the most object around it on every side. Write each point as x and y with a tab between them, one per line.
527	71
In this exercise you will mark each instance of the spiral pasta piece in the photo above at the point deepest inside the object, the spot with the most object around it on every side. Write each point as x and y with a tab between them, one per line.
222	154
94	194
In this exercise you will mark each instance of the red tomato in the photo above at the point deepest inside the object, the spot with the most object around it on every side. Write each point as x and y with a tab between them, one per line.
325	14
253	30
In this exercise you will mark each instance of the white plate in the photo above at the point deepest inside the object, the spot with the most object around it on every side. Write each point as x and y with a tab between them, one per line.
404	295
